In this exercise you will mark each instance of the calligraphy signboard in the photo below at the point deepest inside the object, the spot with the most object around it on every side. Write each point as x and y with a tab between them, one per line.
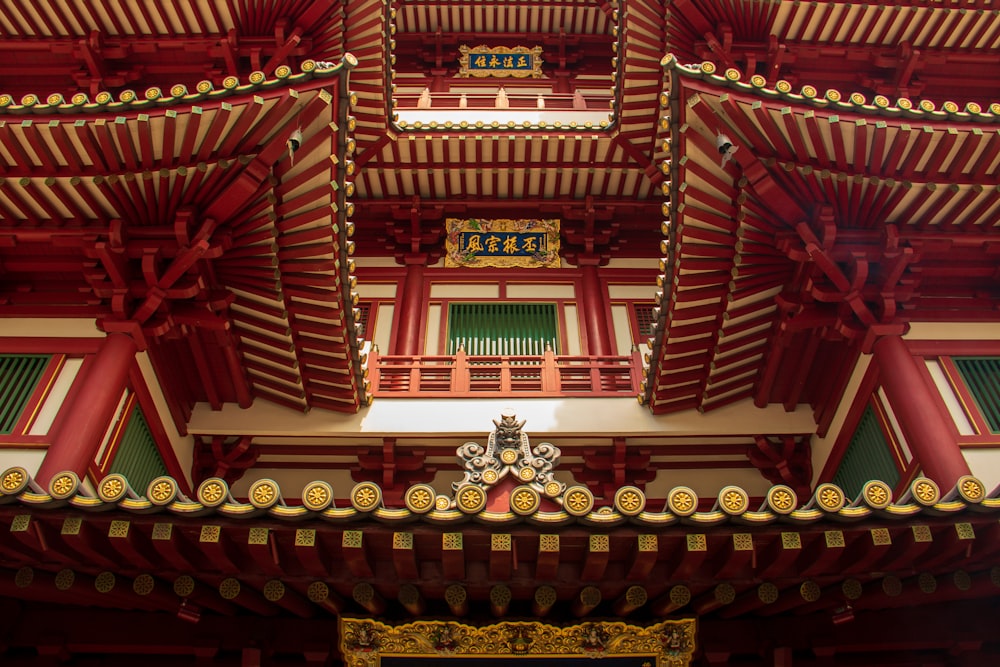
502	243
519	62
372	643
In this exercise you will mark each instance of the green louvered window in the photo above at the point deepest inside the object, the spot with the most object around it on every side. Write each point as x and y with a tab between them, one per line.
502	328
982	376
138	457
867	457
19	375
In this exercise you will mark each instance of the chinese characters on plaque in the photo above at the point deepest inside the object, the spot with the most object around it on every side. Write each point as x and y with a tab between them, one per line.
519	62
502	243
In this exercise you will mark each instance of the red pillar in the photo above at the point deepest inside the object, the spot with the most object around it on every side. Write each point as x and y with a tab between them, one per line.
594	311
409	323
84	422
929	431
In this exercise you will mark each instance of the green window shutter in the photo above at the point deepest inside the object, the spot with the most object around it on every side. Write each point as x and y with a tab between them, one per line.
982	377
138	458
502	328
19	375
867	457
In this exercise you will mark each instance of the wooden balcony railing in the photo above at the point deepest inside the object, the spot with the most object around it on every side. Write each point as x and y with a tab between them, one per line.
464	376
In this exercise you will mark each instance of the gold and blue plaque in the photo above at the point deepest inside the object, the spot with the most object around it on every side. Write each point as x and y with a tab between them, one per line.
519	62
477	242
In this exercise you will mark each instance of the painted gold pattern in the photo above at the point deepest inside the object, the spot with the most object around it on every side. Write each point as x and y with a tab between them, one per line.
548	543
829	497
420	498
925	491
927	582
352	539
892	586
834	539
600	544
471	499
781	499
210	534
184	585
20	523
402	540
791	541
630	501
971	489
143	584
229	588
118	528
851	588
668	643
524	500
317	496
682	501
305	537
274	590
104	582
962	580
697	542
257	536
366	496
742	542
767	593
451	542
112	488
810	591
680	595
501	542
263	494
881	537
14	480
72	525
162	531
733	500
65	579
24	577
212	492
922	534
578	500
877	494
648	543
965	531
724	593
318	592
64	485
162	490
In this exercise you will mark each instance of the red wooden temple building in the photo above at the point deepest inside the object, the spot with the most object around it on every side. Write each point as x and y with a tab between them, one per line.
323	325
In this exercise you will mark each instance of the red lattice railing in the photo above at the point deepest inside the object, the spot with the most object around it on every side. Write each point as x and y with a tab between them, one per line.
464	376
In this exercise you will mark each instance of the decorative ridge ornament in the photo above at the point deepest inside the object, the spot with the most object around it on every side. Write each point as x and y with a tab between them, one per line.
508	452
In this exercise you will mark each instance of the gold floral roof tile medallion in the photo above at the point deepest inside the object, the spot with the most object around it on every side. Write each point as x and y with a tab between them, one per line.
143	584
630	500
782	499
420	498
970	489
229	588
877	494
508	456
213	492
13	481
829	497
553	489
526	474
490	476
578	501
64	485
112	488
442	502
471	499
682	501
366	496
65	579
733	500
162	490
184	585
524	500
317	496
925	491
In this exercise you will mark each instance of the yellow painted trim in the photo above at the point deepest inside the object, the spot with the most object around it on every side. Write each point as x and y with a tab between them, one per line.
45	392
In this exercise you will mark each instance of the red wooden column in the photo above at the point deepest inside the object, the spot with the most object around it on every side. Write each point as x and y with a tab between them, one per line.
929	431
409	323
593	300
84	420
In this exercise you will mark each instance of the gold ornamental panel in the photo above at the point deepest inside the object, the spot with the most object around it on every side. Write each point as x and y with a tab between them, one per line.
371	643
